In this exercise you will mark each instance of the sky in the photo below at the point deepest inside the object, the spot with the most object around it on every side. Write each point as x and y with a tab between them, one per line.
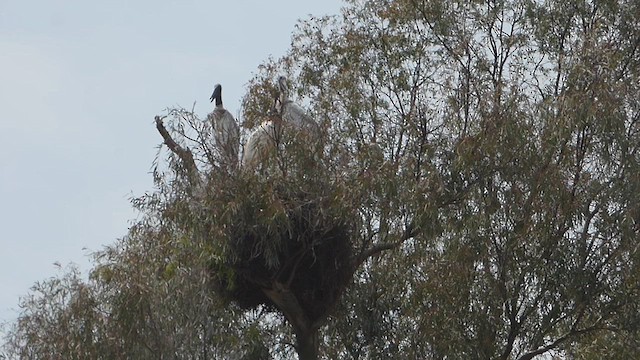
80	83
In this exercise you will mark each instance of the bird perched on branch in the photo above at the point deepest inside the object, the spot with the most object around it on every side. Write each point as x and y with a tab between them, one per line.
263	140
292	113
226	132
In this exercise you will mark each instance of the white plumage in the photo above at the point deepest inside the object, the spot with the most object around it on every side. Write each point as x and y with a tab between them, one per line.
293	114
264	139
226	132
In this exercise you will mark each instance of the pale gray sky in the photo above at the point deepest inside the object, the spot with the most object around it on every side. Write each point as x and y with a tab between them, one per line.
80	82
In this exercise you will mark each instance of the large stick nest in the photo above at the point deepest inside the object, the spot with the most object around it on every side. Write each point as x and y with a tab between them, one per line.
297	241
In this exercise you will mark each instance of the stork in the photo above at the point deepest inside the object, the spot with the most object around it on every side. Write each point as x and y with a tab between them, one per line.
264	139
226	132
292	113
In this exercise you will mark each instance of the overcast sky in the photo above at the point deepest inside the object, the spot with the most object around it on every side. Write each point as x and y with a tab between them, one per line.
80	83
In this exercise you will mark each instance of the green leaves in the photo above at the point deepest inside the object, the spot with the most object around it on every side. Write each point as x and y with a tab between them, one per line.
477	177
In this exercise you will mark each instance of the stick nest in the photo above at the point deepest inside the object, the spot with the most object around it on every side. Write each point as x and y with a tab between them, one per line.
300	242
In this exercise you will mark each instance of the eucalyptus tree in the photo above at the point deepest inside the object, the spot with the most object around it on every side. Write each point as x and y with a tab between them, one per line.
473	193
509	134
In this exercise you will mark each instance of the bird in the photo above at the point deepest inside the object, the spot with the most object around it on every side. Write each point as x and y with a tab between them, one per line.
262	141
226	131
293	114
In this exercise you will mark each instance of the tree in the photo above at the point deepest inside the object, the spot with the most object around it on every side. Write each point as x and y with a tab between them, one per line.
476	188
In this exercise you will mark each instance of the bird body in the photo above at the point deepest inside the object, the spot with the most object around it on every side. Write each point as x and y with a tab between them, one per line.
292	113
226	132
264	139
289	119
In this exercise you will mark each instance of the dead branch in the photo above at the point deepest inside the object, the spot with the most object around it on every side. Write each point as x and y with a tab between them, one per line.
185	155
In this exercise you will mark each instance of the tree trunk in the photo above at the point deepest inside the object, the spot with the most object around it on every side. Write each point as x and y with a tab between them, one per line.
306	332
307	344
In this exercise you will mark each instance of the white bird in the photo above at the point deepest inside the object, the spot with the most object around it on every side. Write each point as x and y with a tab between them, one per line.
293	114
226	132
262	141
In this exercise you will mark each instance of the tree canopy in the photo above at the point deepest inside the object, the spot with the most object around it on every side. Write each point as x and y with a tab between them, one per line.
475	194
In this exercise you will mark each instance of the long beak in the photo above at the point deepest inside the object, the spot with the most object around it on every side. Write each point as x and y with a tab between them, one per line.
217	92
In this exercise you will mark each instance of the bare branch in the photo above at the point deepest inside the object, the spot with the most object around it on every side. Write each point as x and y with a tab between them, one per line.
408	233
572	333
184	154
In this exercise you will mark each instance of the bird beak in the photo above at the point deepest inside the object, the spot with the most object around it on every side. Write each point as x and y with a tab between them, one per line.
216	92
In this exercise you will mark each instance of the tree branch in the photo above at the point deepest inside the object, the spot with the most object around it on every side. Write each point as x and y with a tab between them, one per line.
284	299
184	154
408	233
530	355
572	333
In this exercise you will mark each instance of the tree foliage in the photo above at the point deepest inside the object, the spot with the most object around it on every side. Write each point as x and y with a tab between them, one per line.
480	163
